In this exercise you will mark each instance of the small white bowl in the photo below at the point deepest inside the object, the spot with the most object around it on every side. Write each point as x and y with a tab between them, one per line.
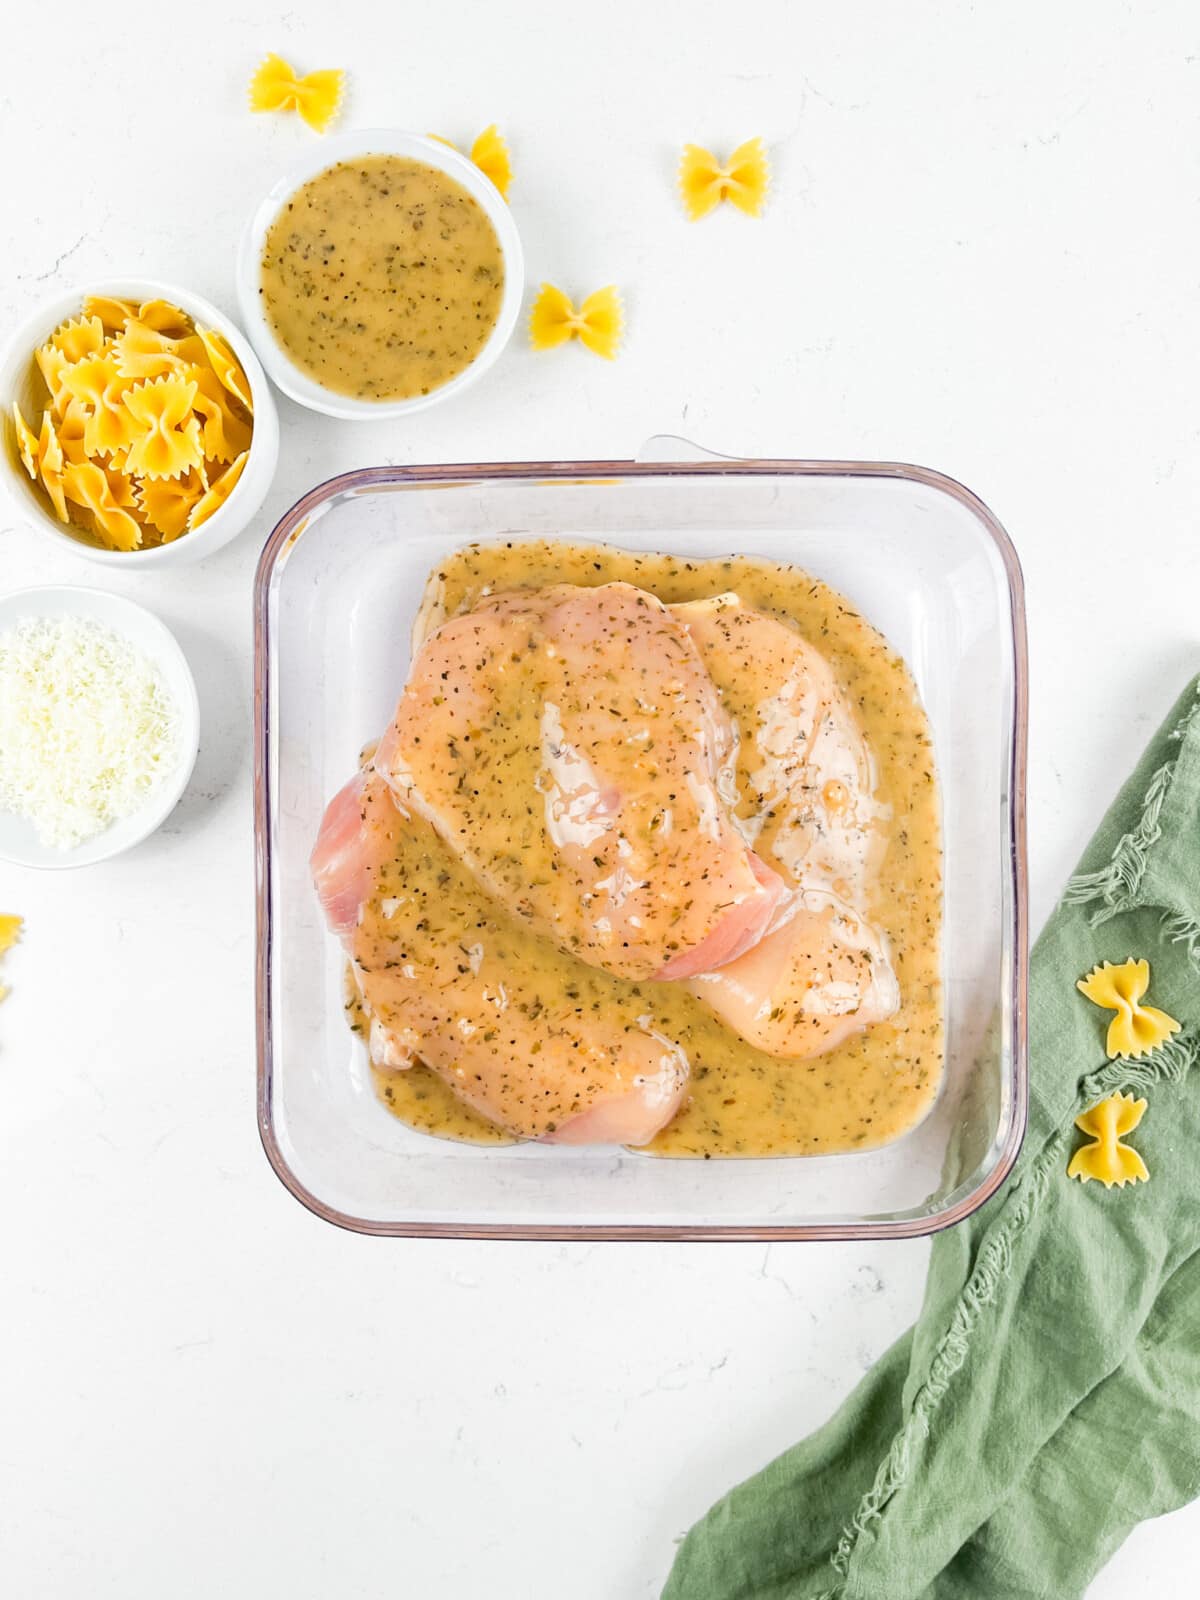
19	842
17	374
353	146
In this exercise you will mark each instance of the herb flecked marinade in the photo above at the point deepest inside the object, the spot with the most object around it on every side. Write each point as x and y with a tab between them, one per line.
382	278
742	1102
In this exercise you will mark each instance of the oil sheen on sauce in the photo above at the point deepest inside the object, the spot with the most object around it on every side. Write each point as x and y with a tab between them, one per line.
742	1102
382	278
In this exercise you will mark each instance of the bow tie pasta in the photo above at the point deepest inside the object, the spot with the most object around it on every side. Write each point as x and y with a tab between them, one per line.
317	96
743	180
146	423
490	155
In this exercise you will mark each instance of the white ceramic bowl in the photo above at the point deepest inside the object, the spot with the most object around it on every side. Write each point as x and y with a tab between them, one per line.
19	842
17	372
349	147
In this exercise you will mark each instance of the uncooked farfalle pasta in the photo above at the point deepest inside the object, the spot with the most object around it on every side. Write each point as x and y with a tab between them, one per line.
743	180
490	154
1107	1157
146	423
598	324
1136	1029
10	932
317	96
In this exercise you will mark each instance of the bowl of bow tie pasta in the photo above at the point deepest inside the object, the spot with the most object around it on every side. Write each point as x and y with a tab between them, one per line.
138	426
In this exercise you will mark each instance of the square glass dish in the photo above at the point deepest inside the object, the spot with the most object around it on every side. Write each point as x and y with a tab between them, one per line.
336	593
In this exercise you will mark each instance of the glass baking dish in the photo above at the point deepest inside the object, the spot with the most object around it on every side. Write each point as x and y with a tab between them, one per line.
335	596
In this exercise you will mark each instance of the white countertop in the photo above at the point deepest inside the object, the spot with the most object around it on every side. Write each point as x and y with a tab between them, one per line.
981	256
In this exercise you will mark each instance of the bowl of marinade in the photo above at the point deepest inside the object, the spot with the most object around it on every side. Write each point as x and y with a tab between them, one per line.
382	274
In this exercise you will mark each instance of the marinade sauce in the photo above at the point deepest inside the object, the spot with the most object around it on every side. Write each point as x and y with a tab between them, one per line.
382	278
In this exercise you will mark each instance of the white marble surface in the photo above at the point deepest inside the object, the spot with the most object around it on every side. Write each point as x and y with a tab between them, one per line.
981	255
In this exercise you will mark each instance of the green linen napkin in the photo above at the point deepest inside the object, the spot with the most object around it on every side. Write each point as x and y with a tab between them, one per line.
1048	1398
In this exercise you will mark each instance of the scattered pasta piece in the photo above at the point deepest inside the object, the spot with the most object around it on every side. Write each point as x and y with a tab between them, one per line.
10	932
136	398
215	496
743	180
490	155
551	322
1106	1157
317	96
1136	1029
598	324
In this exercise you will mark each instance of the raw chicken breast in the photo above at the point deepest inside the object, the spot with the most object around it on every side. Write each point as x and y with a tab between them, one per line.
805	773
537	1042
568	743
342	866
806	780
820	976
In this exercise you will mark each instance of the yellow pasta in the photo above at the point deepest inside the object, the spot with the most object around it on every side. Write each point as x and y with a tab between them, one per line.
163	317
145	417
10	929
166	503
598	324
122	487
50	451
217	493
316	96
72	430
223	434
144	352
119	529
97	384
50	467
27	443
82	336
87	486
743	180
1106	1157
225	364
113	314
52	363
166	438
490	155
1136	1029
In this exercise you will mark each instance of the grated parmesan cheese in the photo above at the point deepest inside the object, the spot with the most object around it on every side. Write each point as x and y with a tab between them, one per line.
88	728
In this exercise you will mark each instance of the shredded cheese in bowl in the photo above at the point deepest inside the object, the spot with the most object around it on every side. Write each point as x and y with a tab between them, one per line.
88	727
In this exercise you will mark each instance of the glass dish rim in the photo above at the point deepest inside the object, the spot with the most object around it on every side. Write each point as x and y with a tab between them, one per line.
288	528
